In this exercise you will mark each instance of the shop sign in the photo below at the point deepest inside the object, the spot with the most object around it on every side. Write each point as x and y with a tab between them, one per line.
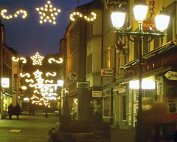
96	93
106	72
5	82
171	75
83	84
116	2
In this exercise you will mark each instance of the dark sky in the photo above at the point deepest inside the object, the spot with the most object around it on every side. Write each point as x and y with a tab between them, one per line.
28	36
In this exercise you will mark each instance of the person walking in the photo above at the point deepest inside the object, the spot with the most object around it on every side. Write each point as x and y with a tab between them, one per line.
10	111
17	110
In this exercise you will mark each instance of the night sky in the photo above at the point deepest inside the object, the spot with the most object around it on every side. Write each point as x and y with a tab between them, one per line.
28	36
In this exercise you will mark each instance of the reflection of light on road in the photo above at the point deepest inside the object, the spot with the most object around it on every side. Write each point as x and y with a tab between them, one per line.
15	130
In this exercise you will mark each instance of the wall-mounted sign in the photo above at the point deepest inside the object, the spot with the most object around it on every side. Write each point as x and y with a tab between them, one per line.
5	82
116	2
106	72
171	75
83	84
96	93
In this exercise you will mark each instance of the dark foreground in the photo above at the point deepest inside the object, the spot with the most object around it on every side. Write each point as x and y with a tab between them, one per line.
28	128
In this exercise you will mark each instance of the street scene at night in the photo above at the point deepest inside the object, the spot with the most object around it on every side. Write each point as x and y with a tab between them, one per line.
88	71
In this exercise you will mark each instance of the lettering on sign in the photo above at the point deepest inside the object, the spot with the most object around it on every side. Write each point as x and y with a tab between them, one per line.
96	93
83	84
106	72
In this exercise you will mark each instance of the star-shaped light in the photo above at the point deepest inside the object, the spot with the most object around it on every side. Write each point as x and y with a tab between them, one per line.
37	74
48	13
37	59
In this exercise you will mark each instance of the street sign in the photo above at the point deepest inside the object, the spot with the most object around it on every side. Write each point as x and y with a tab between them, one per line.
171	75
83	84
106	72
96	93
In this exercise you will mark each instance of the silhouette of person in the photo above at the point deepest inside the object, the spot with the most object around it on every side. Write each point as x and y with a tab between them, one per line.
10	111
17	110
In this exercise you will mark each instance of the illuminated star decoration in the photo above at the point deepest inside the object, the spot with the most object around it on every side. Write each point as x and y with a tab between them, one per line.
37	59
48	13
21	12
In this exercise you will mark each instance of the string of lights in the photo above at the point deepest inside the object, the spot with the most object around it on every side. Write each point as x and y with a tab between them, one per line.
43	89
47	14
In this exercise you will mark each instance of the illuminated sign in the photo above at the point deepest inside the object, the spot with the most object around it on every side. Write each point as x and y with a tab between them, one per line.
5	82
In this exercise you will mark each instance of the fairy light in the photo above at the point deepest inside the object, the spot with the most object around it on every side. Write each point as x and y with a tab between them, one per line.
37	74
45	87
48	81
21	12
17	59
53	60
37	59
91	17
48	13
24	75
29	80
51	74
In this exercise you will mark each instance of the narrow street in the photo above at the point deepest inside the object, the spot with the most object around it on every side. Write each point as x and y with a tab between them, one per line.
29	128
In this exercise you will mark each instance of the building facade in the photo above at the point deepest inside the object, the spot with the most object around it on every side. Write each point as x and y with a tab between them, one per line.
7	75
111	66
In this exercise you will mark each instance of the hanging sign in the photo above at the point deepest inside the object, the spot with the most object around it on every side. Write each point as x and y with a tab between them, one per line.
171	75
83	84
106	72
97	94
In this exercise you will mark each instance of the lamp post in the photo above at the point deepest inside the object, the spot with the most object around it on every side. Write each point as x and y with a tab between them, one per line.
161	21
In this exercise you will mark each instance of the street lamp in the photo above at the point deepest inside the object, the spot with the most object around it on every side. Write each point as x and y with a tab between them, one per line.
161	23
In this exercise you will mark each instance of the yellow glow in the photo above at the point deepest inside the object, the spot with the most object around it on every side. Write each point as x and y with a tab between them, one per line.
90	17
15	59
29	80
53	60
25	75
51	74
147	83
48	81
24	87
37	74
48	13
37	59
5	82
21	12
60	83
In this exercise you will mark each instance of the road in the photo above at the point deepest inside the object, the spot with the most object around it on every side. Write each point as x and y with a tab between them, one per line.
29	128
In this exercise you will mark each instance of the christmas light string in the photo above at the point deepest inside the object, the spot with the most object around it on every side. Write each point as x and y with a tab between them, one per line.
47	14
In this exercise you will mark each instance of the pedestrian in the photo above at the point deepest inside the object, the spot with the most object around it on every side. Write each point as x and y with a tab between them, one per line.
17	110
10	111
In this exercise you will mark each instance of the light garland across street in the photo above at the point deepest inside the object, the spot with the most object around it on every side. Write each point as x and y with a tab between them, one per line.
47	14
